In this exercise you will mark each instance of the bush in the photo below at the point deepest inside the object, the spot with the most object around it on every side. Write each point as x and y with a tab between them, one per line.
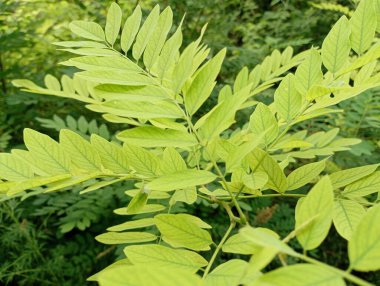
177	155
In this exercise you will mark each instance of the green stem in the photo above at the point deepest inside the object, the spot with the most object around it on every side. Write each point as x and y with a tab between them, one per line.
218	248
341	273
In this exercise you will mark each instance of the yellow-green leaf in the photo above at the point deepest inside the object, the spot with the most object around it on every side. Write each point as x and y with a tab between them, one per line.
88	30
347	215
179	231
304	174
159	255
364	246
113	23
336	46
125	237
317	204
181	180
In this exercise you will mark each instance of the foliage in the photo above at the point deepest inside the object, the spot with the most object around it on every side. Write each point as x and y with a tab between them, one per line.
174	154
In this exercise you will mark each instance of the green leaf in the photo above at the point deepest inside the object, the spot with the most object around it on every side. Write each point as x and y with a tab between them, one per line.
88	30
130	29
363	187
305	174
259	160
347	215
318	204
309	72
336	46
172	161
255	180
169	53
82	153
240	244
227	274
48	153
188	196
343	178
162	256
236	157
95	63
150	208
113	156
35	182
179	231
287	99
142	109
113	23
265	238
222	115
143	161
142	275
203	83
150	136
300	275
262	121
13	168
363	25
145	33
181	180
138	202
133	224
125	237
116	77
158	38
364	246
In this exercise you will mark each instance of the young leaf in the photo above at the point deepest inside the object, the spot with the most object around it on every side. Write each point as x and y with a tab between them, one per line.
347	215
203	83
130	29
364	246
318	204
188	196
300	275
287	99
336	46
113	23
125	237
150	136
145	33
304	174
158	255
179	231
363	25
88	30
181	180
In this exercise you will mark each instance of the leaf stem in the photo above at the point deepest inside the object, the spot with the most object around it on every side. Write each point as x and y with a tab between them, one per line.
218	248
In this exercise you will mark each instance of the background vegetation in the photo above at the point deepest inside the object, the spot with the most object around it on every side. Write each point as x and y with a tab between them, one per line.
42	239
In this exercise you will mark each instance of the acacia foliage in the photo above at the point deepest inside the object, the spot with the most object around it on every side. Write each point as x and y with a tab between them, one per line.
144	77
